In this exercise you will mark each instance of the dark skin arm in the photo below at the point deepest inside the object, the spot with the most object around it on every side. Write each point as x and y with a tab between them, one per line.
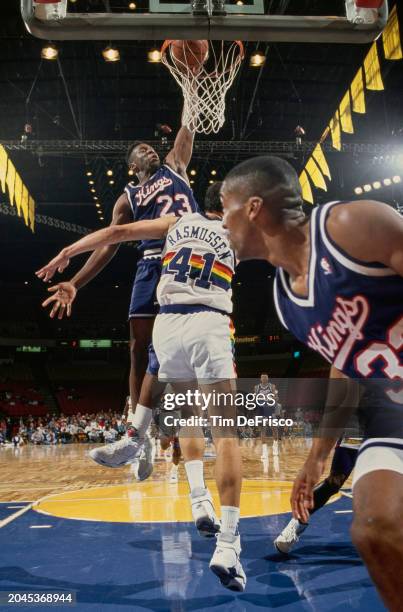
64	293
180	155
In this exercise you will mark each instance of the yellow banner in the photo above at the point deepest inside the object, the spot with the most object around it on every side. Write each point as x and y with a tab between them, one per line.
306	187
372	69
357	93
10	180
346	119
320	159
3	168
391	38
315	174
18	192
24	204
31	214
335	130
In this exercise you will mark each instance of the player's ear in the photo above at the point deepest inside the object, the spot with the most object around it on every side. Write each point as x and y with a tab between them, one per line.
253	207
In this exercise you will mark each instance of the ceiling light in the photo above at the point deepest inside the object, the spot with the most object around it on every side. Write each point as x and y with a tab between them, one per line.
154	56
214	172
93	190
192	182
101	218
132	6
397	179
98	205
49	52
257	60
109	172
193	172
239	3
377	184
358	190
111	54
111	182
95	197
367	188
89	173
387	182
211	182
130	173
90	182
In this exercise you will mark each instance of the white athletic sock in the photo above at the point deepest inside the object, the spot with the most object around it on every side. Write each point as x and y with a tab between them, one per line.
142	419
194	473
229	519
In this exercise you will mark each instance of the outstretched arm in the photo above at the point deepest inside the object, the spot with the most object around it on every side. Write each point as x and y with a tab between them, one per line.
180	155
142	230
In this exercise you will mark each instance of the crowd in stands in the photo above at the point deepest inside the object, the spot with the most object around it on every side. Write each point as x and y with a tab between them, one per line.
62	429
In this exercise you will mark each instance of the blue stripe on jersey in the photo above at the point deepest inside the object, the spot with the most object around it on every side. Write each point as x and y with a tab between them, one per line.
165	193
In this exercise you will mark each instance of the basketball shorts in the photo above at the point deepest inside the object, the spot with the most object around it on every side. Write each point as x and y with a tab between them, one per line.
344	459
194	345
379	454
143	302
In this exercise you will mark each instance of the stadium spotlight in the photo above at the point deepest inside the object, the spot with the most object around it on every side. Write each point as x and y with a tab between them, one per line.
154	56
93	190
132	6
111	54
193	172
130	173
89	173
214	172
109	172
239	2
91	182
358	190
98	205
49	52
257	60
111	182
387	182
397	179
367	188
101	218
377	184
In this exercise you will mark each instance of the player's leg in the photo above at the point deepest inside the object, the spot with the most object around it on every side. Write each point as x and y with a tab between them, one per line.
225	562
377	529
142	312
136	446
342	465
176	455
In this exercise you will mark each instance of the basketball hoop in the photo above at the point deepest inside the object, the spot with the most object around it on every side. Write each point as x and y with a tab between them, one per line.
204	88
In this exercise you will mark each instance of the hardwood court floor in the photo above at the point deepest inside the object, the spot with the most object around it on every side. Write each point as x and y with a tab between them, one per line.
32	472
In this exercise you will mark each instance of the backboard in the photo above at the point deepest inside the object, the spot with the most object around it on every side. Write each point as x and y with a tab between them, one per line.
245	20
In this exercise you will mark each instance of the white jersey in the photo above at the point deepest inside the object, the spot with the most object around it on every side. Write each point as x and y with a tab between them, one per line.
197	265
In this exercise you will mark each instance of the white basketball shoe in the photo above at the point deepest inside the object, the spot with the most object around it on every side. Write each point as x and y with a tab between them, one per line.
289	536
204	516
226	564
119	453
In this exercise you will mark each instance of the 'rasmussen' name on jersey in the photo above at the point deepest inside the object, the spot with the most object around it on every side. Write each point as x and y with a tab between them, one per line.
200	233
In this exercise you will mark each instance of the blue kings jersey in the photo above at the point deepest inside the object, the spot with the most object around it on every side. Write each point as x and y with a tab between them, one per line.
353	314
164	193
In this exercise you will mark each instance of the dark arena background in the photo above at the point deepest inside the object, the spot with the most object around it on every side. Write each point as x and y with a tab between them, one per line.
67	117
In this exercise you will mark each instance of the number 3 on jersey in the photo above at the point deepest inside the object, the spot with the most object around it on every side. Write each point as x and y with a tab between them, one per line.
186	265
179	205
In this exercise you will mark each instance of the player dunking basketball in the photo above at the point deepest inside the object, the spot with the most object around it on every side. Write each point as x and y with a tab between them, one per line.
339	289
162	189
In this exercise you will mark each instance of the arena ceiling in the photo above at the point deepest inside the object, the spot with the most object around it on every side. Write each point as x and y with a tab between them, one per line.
84	98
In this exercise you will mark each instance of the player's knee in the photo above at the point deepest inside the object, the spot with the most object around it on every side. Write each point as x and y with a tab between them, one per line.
372	530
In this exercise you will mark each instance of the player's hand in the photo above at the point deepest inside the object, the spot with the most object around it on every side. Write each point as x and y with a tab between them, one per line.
58	264
63	296
302	492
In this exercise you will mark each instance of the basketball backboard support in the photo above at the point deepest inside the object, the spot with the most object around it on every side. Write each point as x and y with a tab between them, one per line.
247	24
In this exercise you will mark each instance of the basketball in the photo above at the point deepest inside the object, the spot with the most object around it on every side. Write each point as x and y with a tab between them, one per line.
190	54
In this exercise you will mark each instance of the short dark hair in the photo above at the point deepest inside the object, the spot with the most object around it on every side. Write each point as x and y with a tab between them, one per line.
271	178
212	200
130	150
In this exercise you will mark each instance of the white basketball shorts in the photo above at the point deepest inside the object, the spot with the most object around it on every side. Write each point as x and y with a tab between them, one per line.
379	454
194	346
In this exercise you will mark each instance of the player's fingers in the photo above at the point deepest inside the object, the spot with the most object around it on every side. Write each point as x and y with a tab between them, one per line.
54	309
49	300
61	311
53	288
69	309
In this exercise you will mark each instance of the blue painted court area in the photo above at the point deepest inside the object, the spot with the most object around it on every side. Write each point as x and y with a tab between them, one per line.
160	566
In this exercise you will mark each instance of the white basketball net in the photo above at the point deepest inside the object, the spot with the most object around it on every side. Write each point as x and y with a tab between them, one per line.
204	90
